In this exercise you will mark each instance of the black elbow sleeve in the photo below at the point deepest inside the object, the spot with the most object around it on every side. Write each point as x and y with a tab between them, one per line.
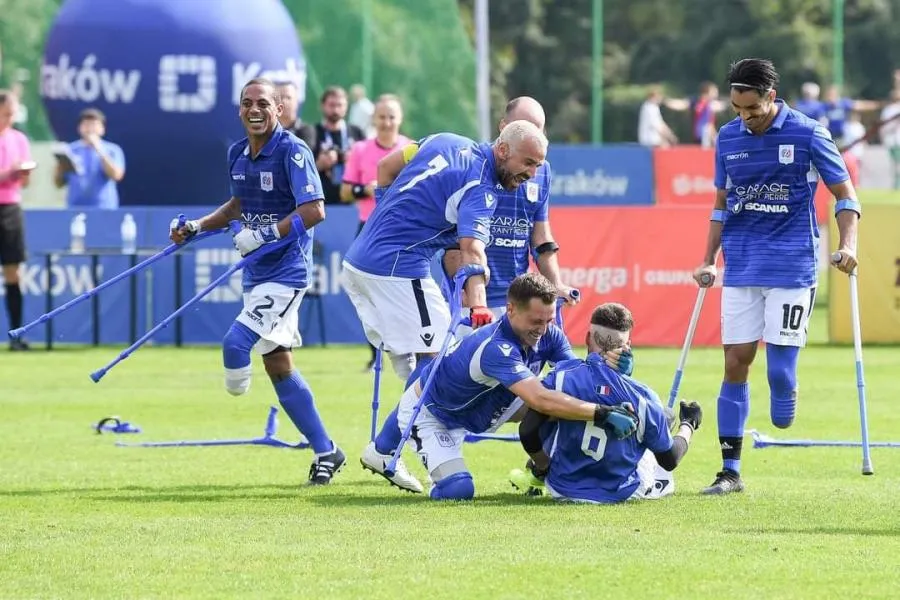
530	431
669	459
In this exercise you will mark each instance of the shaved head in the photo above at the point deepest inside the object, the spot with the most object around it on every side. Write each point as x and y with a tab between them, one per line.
518	132
519	151
524	108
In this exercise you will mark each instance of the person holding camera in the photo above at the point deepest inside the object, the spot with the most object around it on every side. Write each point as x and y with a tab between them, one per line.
332	139
91	167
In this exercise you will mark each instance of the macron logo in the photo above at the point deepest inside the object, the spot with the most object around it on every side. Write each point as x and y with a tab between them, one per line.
488	200
298	160
737	156
506	349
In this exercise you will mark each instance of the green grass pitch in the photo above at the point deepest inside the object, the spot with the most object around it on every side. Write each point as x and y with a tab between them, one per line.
81	518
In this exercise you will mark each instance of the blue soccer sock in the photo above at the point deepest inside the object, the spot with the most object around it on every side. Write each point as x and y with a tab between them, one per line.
733	409
782	371
388	438
297	401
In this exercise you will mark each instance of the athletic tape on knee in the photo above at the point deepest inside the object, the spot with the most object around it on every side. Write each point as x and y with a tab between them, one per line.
458	486
403	364
236	348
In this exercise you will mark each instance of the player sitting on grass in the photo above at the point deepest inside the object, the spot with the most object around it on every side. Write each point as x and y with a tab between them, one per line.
582	462
479	381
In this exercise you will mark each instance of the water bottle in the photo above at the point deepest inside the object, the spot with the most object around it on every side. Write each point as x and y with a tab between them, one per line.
129	235
77	231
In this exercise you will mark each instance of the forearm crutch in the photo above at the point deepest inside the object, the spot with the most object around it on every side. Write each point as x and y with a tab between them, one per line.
688	339
170	249
235	227
860	378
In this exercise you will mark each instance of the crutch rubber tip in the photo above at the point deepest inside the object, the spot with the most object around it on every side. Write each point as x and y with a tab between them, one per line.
98	375
389	473
867	470
15	333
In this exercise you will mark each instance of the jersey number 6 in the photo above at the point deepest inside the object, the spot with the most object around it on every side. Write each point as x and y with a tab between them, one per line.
435	165
593	443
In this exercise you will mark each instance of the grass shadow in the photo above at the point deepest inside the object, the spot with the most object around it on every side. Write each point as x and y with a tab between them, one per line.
823	530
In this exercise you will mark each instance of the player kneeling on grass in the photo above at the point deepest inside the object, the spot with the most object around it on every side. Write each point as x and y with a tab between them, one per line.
583	463
479	381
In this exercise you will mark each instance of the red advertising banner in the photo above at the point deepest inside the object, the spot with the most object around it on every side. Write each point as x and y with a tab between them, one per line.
644	258
684	175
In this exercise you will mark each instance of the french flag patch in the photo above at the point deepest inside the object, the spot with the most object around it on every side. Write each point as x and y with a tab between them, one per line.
602	390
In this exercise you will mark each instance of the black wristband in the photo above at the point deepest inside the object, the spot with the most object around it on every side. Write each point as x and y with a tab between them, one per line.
359	191
600	414
547	247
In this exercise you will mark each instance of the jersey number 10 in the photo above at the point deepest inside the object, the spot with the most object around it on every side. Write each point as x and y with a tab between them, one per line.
435	165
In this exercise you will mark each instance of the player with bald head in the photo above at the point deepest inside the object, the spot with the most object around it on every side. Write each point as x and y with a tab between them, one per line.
520	226
446	194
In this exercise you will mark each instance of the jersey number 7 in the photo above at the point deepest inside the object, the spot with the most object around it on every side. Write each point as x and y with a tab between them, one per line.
435	165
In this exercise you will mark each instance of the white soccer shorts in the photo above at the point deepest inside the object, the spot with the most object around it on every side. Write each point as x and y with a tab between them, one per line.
777	316
406	315
435	444
655	483
272	311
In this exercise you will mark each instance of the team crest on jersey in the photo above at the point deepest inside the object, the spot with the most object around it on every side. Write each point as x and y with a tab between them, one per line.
531	191
265	181
786	154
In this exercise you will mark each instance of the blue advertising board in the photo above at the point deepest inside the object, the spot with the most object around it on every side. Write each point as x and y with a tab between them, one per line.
71	275
612	175
168	76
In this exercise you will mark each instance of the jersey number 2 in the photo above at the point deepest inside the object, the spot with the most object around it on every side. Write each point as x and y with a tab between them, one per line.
435	165
593	443
269	303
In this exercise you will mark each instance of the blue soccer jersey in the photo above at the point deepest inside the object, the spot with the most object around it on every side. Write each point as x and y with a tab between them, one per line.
270	187
511	226
587	464
770	237
470	389
446	192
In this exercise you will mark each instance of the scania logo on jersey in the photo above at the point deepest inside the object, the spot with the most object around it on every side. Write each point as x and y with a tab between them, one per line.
509	243
774	192
766	208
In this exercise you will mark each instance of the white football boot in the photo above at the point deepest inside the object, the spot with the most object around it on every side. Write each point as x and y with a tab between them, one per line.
374	461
